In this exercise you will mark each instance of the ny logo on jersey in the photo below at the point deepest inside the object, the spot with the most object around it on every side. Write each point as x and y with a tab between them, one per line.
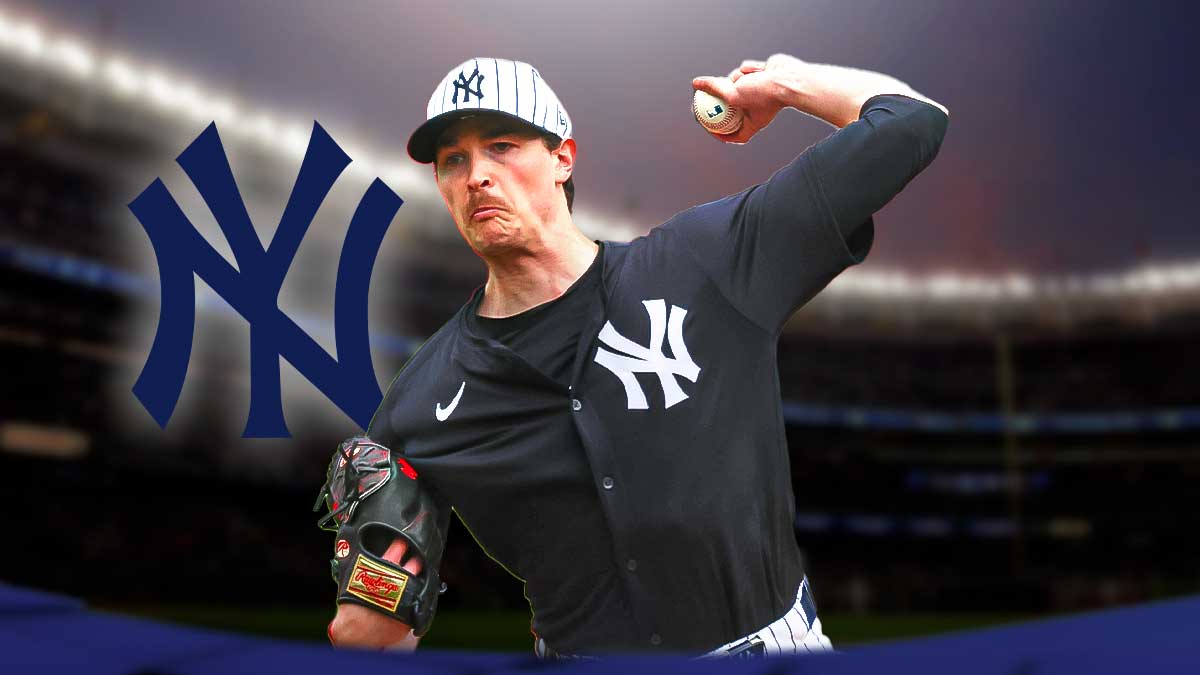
464	83
650	359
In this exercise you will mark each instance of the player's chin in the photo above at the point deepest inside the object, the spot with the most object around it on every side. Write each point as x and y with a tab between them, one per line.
493	235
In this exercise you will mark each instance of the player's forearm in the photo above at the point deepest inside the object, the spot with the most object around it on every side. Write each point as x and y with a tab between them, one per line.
836	94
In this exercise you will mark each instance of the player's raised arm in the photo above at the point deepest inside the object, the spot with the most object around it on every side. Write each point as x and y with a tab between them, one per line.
773	247
835	94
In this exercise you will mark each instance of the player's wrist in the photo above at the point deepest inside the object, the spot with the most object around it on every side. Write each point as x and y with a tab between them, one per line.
359	627
791	92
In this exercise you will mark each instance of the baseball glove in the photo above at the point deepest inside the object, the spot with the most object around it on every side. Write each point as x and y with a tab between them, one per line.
373	496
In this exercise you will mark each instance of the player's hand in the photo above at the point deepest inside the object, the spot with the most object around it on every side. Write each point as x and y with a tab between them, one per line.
357	626
758	88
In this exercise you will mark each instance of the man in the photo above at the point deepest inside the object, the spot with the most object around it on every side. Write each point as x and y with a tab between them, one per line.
605	417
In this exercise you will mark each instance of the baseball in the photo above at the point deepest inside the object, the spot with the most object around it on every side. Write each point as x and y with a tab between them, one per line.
715	114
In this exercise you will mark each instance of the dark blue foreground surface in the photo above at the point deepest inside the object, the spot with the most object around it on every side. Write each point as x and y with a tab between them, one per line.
41	633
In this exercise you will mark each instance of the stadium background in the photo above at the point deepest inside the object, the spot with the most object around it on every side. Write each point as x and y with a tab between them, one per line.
991	431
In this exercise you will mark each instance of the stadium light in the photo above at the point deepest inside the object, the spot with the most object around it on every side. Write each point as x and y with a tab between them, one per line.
943	286
122	77
873	284
293	140
259	127
900	283
977	288
189	100
1107	285
73	57
396	175
1155	280
1185	276
194	104
265	128
221	110
160	90
7	31
1018	286
360	161
29	41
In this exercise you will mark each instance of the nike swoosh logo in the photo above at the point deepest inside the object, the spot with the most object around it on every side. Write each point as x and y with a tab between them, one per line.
443	413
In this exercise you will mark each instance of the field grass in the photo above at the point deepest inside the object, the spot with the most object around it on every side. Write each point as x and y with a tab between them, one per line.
508	631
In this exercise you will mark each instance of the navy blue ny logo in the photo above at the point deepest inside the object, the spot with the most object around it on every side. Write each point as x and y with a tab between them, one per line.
253	288
464	83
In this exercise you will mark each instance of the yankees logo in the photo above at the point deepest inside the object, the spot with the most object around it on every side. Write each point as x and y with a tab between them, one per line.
464	83
252	289
639	359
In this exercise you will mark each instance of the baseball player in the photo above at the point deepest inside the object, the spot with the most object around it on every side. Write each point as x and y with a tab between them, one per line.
605	417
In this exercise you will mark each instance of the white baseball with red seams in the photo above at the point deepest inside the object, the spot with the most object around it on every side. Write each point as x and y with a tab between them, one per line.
715	114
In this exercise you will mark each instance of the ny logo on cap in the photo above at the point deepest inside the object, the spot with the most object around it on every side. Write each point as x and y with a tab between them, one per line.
464	83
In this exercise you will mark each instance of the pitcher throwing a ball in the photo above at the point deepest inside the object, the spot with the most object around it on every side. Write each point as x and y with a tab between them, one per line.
604	416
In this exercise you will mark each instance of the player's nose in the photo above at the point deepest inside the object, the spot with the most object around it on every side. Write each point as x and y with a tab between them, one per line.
480	175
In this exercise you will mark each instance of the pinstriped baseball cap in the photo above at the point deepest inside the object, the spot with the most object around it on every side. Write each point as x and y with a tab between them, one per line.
494	86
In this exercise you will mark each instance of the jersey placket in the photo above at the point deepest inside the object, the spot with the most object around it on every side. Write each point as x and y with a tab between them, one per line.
601	459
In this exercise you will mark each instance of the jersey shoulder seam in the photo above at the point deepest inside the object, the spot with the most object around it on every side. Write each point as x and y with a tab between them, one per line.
707	275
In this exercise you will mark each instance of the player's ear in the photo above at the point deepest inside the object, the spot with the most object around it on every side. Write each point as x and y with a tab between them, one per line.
564	158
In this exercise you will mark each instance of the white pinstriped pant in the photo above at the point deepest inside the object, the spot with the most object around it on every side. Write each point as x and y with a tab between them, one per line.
798	631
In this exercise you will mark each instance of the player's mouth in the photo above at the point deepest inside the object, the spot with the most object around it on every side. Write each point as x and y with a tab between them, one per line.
485	212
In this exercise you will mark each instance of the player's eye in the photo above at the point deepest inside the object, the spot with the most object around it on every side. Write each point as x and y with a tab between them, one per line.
502	146
451	160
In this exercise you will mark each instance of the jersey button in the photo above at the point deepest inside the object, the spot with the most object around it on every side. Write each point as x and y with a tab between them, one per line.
576	405
631	565
607	483
655	639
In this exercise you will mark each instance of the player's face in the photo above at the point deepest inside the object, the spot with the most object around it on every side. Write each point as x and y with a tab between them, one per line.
500	182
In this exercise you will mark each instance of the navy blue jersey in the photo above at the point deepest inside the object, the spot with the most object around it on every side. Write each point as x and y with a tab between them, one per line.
647	503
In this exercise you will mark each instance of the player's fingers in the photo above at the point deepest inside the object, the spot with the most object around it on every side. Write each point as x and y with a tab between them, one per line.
739	137
395	553
736	138
721	87
746	68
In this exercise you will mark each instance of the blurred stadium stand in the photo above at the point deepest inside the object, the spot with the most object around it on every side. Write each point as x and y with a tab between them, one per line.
957	443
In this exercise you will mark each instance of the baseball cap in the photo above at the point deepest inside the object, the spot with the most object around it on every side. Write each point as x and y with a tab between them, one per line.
498	86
